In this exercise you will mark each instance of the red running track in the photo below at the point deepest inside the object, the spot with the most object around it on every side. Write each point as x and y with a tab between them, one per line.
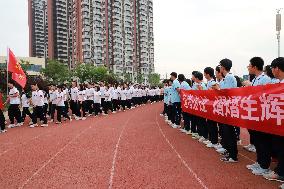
133	149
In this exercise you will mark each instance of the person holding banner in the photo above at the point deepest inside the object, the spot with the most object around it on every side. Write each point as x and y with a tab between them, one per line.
229	134
261	141
175	99
278	141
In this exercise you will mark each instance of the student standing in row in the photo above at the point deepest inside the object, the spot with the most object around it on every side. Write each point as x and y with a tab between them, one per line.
2	117
14	107
60	106
81	102
26	105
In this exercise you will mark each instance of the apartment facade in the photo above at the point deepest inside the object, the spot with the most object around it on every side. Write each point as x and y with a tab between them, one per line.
115	33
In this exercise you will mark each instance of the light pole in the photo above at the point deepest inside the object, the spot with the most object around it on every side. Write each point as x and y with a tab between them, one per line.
278	28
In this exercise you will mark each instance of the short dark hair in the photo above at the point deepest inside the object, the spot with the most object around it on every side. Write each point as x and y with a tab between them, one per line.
181	77
227	64
257	62
268	71
174	74
189	82
194	72
278	63
210	71
217	69
198	75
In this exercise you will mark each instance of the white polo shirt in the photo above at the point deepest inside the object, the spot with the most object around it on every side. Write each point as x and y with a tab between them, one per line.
14	100
74	93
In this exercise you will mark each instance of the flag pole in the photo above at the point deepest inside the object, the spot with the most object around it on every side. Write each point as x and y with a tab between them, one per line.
7	77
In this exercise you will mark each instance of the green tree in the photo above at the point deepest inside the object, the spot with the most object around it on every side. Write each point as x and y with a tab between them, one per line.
56	71
140	78
154	79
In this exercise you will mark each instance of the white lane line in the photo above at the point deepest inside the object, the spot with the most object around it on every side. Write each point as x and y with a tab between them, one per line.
247	157
54	156
180	157
112	171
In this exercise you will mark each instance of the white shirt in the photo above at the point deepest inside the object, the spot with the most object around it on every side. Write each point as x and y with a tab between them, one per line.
102	90
60	99
140	93
107	96
66	94
52	97
119	92
144	93
37	98
97	97
115	94
90	94
14	100
82	96
157	91
135	92
25	101
123	94
128	94
74	93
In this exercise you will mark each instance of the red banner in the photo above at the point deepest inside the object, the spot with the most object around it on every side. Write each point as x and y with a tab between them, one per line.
258	108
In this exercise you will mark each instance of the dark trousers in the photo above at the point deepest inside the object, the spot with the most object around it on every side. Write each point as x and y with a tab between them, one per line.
213	131
49	108
115	104
186	118
74	107
45	108
194	120
252	136
89	106
82	109
123	104
128	101
97	108
61	111
107	107
170	113
230	141
39	113
278	143
2	120
202	128
66	108
103	104
177	112
165	109
52	111
14	113
263	145
26	112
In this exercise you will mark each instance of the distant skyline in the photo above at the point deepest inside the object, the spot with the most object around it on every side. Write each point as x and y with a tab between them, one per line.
189	35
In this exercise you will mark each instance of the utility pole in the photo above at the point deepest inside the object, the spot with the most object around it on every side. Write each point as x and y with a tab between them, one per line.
278	28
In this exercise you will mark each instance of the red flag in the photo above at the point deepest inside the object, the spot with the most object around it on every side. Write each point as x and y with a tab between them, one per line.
21	79
13	64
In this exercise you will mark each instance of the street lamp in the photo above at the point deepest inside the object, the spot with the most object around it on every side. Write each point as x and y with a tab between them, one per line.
278	28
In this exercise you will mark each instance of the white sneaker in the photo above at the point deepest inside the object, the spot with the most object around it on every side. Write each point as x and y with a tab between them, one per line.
70	119
32	126
77	118
44	125
253	166
114	112
206	142
161	115
201	139
18	125
218	146
31	123
183	130
252	149
210	145
281	186
51	121
174	126
221	150
11	126
189	132
261	171
84	118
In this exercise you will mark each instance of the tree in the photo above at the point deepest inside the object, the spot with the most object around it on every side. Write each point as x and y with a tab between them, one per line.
140	78
154	79
56	71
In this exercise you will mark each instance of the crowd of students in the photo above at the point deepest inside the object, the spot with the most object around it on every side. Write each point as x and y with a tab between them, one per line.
225	138
78	102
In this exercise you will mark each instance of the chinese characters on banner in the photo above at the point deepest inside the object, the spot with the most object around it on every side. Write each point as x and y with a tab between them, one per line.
258	108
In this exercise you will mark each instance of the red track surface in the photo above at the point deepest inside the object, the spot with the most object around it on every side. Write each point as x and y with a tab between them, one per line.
134	149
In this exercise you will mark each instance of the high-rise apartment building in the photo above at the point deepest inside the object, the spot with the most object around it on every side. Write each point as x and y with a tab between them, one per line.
114	33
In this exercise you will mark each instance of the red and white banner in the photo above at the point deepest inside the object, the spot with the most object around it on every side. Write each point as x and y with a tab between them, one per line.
258	108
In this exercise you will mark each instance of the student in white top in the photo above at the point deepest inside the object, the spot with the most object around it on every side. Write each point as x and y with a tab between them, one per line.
53	101
66	98
81	102
74	99
108	104
97	100
14	107
60	106
26	105
123	92
38	103
115	99
128	96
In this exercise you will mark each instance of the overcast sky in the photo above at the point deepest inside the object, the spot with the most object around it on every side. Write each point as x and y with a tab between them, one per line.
189	34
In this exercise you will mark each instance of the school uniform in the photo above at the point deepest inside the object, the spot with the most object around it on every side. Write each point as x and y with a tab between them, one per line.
108	104
38	111
144	96
60	106
102	90
176	102
97	102
53	100
166	99
212	125
128	98
14	109
186	116
26	105
45	106
66	99
81	103
115	100
229	134
119	90
89	100
171	114
123	98
74	101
